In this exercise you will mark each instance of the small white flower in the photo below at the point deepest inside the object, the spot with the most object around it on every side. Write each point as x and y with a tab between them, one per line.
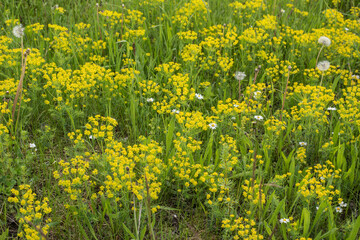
284	220
342	204
257	95
282	11
233	118
212	126
303	144
32	145
323	65
91	137
324	41
317	207
18	31
346	29
322	178
235	105
259	118
331	109
240	75
150	100
338	209
199	96
175	111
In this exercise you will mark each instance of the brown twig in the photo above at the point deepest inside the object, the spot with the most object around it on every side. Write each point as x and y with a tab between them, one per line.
20	86
257	70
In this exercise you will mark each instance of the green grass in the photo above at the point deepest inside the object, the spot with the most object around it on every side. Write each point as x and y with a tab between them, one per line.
121	112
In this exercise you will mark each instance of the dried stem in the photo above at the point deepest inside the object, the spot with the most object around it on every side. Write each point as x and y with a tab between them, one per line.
257	70
97	18
239	90
20	86
317	58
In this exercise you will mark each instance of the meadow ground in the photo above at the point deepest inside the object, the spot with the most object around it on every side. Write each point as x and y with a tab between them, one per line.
179	119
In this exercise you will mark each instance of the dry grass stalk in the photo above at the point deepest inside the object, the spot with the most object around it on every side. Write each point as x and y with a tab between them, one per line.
20	85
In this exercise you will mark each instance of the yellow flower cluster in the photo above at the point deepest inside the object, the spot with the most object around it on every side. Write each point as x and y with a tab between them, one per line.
3	130
100	127
149	87
301	154
82	26
241	228
187	35
274	125
194	12
12	22
229	153
318	183
133	169
31	213
191	53
280	69
313	101
248	7
35	28
88	82
296	10
267	23
126	21
150	2
8	87
253	192
349	105
73	177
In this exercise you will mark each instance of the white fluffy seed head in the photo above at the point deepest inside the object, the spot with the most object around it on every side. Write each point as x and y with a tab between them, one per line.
323	65
239	75
324	41
18	31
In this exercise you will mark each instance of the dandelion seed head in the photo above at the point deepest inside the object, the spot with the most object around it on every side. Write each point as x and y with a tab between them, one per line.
324	41
240	75
18	31
323	65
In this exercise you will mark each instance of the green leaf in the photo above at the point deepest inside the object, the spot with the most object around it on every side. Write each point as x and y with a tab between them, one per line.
305	219
319	214
142	233
4	235
169	135
354	232
208	151
128	231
